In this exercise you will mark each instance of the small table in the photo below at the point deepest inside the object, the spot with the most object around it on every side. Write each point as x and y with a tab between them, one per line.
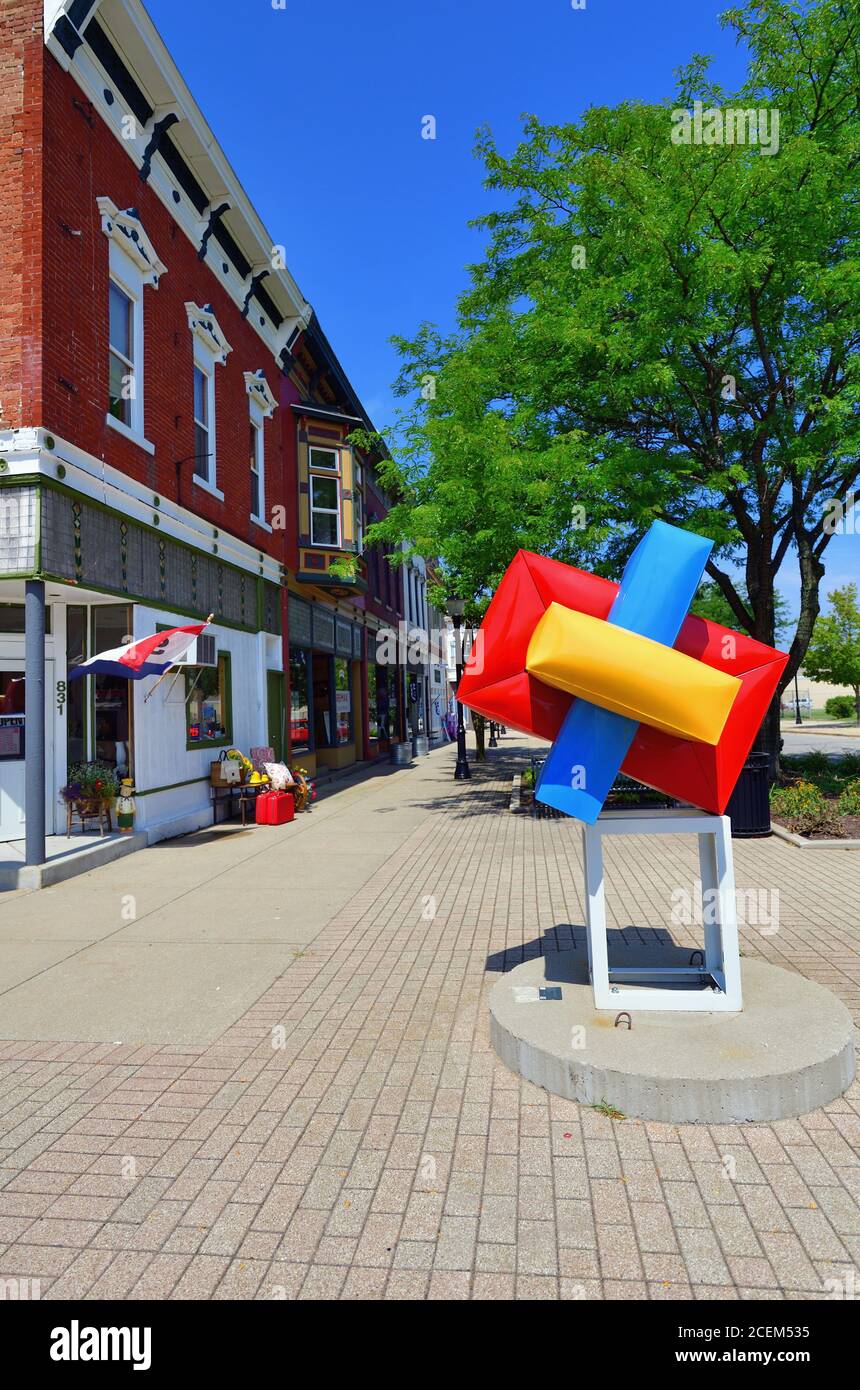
100	811
246	792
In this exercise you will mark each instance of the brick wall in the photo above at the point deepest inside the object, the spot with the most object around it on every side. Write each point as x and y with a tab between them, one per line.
84	161
21	75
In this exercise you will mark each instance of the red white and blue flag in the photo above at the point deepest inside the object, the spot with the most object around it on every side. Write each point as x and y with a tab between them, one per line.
151	656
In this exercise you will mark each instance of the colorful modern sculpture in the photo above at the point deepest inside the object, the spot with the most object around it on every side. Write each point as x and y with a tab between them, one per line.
620	678
677	709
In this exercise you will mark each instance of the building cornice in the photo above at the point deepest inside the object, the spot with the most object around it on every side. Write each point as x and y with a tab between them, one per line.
130	28
35	451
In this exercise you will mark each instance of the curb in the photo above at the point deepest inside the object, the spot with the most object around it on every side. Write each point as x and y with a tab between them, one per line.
792	839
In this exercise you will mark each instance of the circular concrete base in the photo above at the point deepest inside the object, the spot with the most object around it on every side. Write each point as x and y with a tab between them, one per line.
789	1051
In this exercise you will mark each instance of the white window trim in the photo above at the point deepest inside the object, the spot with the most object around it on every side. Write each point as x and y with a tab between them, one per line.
324	449
256	419
119	274
210	482
133	264
210	350
261	407
326	511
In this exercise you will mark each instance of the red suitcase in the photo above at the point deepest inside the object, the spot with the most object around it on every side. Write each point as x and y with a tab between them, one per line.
275	808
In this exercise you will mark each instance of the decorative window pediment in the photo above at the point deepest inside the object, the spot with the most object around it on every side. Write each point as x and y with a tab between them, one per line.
205	326
260	393
125	229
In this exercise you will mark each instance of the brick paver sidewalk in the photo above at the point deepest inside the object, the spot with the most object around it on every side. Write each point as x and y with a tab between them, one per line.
353	1135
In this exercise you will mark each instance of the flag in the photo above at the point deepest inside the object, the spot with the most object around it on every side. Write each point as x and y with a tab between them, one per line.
151	656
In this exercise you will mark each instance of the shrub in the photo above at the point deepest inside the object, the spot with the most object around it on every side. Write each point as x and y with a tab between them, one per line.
849	802
841	707
804	808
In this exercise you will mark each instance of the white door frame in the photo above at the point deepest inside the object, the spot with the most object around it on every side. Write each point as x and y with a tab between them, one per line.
11	660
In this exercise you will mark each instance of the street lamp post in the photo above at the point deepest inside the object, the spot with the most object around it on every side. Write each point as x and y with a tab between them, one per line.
797	718
456	608
494	742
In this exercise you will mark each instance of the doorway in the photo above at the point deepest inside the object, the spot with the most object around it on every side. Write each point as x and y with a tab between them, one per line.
275	707
13	745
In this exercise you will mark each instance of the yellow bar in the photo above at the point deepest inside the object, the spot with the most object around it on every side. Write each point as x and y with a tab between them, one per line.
631	675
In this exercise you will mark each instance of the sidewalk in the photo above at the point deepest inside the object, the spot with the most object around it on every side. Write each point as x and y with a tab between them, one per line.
304	1102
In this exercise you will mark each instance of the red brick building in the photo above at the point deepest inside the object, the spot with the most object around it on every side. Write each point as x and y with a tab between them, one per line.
173	434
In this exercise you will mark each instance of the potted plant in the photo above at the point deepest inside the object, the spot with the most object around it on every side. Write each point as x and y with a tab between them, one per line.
90	786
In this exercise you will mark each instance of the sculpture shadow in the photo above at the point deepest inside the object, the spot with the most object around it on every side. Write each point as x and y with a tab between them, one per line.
565	951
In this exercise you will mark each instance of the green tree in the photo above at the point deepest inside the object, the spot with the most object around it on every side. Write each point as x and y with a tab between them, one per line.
656	329
833	654
710	602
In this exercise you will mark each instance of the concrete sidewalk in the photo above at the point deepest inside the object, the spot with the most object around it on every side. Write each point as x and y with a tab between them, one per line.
304	1102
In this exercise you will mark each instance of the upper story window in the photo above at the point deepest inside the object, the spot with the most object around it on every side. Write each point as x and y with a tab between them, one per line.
121	390
325	491
261	407
133	264
210	350
255	460
358	506
204	392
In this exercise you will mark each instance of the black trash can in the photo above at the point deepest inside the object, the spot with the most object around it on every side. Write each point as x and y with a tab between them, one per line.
749	808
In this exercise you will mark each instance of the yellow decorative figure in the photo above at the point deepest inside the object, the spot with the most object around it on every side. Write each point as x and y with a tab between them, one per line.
631	675
125	806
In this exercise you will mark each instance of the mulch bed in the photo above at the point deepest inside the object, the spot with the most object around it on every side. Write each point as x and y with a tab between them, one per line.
849	829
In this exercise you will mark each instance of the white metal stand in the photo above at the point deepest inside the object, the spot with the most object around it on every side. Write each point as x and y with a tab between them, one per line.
715	986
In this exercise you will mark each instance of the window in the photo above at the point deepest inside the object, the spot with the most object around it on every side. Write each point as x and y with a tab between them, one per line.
12	618
255	458
76	691
372	700
208	704
300	734
210	348
122	387
133	265
343	699
358	507
112	706
262	406
203	458
325	511
325	458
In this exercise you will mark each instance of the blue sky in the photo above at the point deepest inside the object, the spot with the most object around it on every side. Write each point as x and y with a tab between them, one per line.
319	108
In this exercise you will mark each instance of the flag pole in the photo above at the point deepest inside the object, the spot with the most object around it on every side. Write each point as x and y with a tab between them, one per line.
168	669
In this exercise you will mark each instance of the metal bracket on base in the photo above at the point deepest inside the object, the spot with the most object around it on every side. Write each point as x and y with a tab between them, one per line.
719	976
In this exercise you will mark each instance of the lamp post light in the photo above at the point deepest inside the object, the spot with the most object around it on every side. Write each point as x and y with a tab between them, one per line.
494	742
456	608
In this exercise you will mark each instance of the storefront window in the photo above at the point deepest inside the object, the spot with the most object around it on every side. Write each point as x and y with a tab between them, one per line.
300	733
321	667
385	701
343	699
76	691
111	694
11	715
372	701
12	618
207	704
